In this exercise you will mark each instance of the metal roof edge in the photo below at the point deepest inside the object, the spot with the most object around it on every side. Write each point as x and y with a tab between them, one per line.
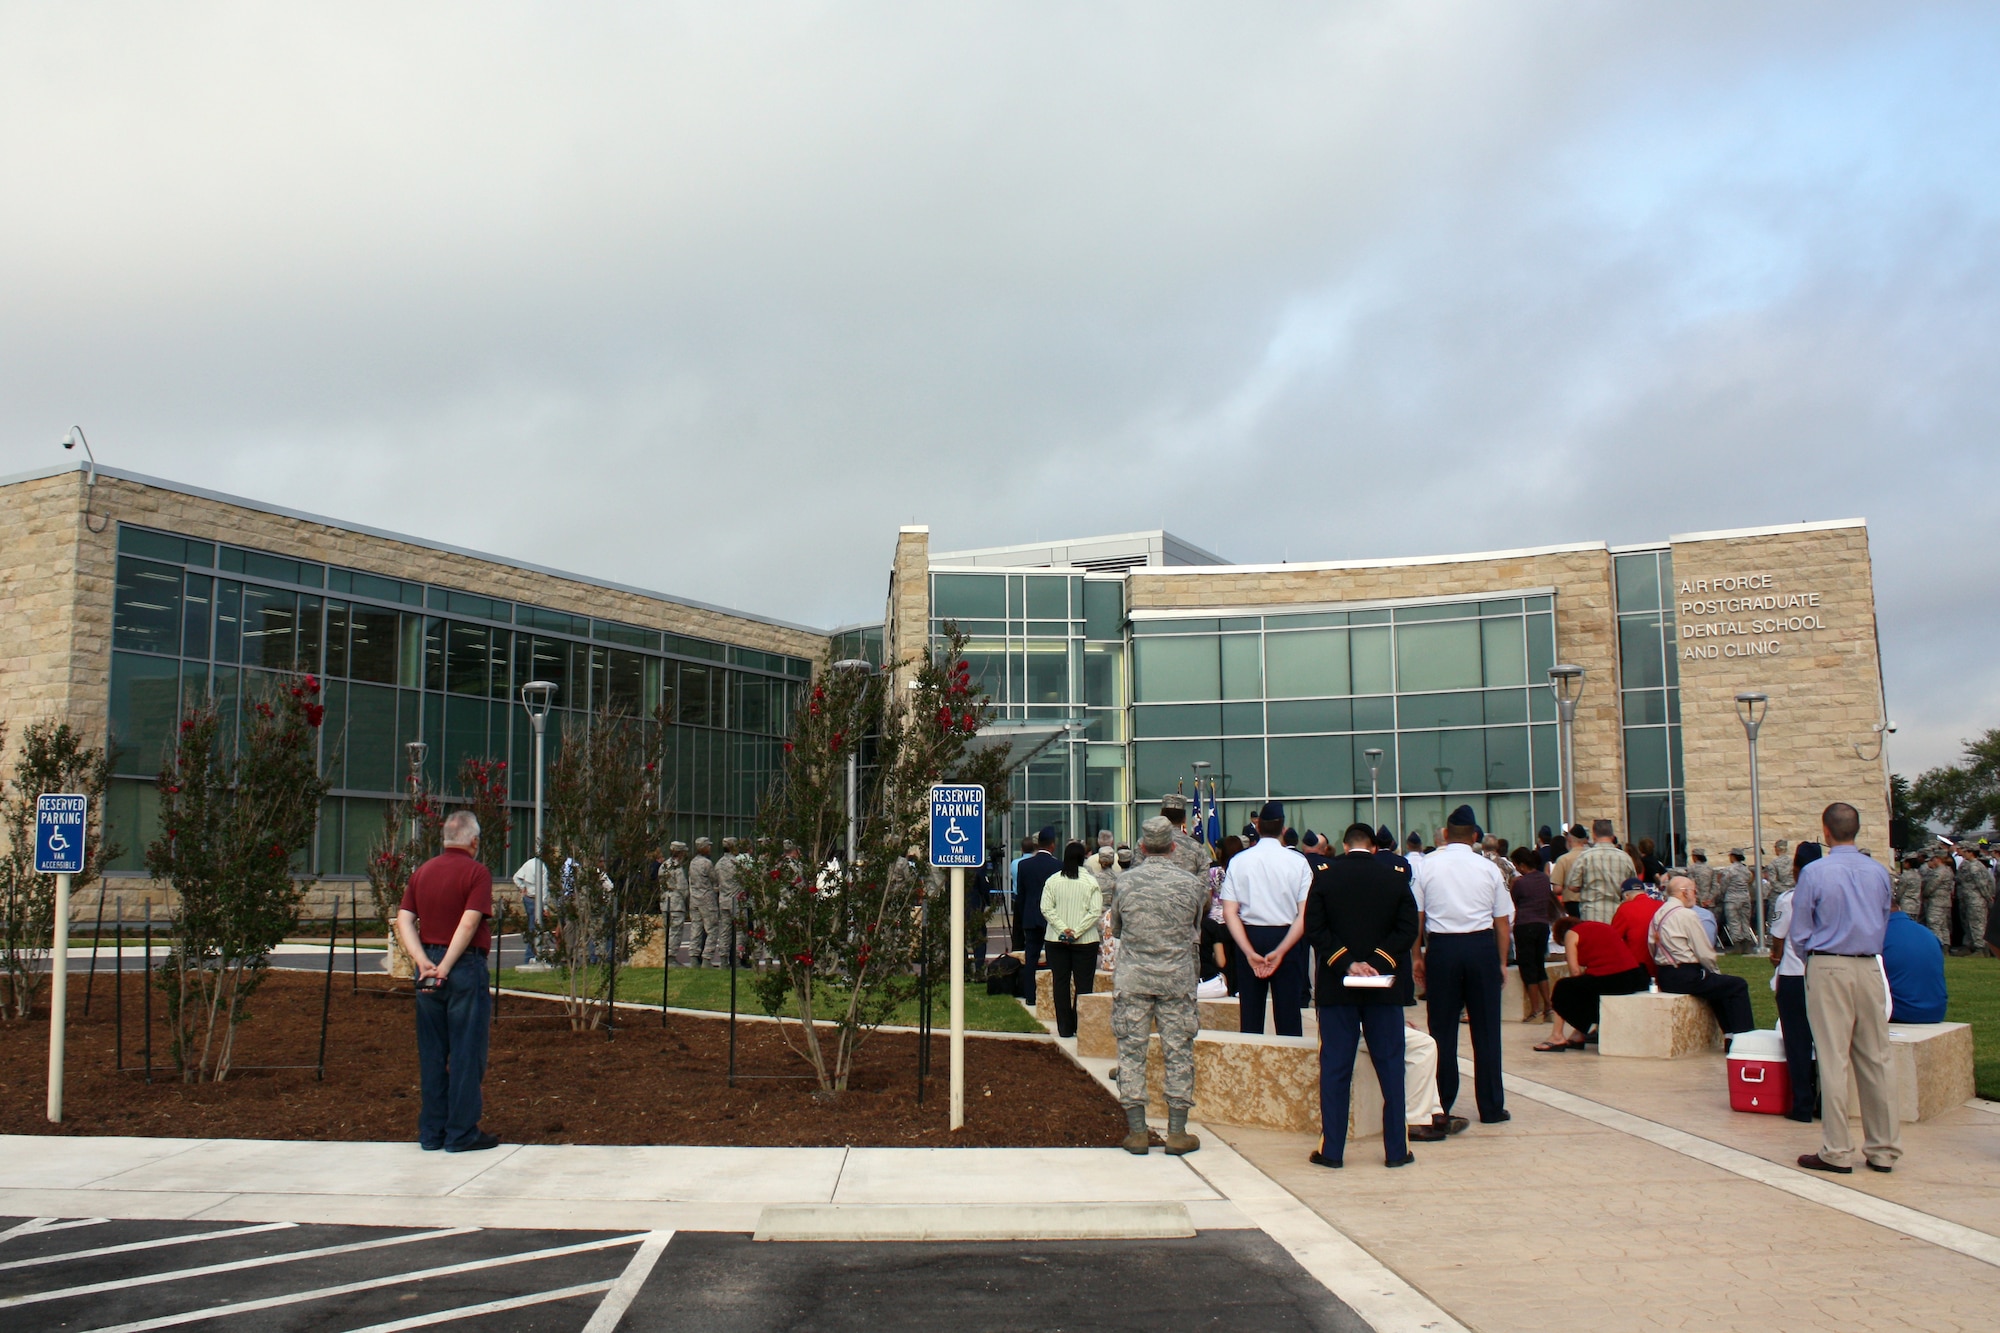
1773	530
262	507
1179	571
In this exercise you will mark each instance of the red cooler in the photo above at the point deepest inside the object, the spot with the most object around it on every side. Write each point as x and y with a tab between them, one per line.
1759	1078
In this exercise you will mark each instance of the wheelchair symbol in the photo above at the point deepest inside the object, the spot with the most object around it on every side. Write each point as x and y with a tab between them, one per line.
954	835
57	842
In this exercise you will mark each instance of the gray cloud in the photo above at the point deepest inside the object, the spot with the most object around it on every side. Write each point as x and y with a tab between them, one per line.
709	299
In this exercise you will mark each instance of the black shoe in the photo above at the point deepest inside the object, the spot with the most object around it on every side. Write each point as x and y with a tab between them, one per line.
480	1143
1877	1166
1319	1159
1451	1124
1500	1119
1803	1117
1812	1161
1408	1157
430	1147
1426	1134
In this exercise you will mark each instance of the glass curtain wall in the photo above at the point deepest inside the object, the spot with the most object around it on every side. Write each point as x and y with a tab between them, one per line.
1051	648
1454	696
1649	670
403	661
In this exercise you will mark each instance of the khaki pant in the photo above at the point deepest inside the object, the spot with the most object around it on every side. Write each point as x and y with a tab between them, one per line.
1847	1007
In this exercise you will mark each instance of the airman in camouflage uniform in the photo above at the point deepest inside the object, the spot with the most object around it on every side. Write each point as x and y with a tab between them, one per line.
722	936
1156	916
674	890
1939	880
704	911
1910	889
1733	882
1975	900
1781	867
1186	853
1703	875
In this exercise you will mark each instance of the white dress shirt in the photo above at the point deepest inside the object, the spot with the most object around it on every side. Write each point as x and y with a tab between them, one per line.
532	879
1459	891
1268	882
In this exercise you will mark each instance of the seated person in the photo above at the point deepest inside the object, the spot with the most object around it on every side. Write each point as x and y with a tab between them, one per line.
1914	960
1599	965
1686	960
1634	919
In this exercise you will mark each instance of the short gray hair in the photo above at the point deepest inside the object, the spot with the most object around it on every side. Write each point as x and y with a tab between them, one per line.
461	828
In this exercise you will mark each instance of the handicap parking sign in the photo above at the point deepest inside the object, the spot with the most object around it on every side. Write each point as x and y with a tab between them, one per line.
958	825
59	822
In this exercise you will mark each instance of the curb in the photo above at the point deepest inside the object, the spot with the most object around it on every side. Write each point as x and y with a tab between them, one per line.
939	1222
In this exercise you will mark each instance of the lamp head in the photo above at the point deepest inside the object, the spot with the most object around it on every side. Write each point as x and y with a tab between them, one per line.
536	697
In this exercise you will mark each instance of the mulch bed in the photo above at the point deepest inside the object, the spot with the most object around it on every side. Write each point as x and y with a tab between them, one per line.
544	1083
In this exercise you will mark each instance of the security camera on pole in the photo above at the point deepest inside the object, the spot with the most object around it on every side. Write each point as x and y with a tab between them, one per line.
60	821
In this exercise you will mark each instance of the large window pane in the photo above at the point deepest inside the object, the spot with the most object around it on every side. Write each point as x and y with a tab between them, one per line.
371	645
1505	651
986	664
1158	765
145	707
624	680
1443	761
1103	609
1442	656
1512	818
1368	651
1310	715
1541	648
197	615
1242	666
373	762
1242	768
466	658
1504	706
132	820
1048	671
1646	758
361	825
1638	582
549	661
1311	766
1385	762
1441	710
1173	669
1104	674
1307	664
146	607
1640	650
336	639
464	735
228	619
270	620
1177	720
969	596
1048	597
700	691
333	732
309	636
1506	758
1548	766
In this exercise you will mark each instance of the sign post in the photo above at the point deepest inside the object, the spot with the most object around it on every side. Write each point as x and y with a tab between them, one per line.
59	833
958	843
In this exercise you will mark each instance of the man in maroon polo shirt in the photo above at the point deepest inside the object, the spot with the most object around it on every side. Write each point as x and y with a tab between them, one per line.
443	918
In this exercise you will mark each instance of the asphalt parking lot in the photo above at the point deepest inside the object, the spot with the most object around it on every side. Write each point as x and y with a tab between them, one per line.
128	1276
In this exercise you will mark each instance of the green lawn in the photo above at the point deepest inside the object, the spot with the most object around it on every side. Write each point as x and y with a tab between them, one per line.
1972	983
708	988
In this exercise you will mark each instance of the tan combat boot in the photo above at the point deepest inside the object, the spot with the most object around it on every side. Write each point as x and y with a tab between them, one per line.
1179	1141
1139	1141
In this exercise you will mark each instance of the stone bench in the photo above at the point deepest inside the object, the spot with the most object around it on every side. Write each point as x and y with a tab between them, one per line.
1093	1022
1514	995
1045	992
1930	1068
1656	1026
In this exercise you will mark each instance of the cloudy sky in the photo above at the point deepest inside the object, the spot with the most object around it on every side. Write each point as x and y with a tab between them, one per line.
710	298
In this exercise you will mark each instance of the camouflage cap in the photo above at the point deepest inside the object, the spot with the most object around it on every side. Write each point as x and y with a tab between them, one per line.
700	843
677	846
1738	851
1173	802
1699	851
1157	834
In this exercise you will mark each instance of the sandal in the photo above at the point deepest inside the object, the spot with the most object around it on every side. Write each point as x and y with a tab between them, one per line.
1552	1046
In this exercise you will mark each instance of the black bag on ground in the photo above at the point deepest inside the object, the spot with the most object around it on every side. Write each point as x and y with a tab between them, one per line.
1001	975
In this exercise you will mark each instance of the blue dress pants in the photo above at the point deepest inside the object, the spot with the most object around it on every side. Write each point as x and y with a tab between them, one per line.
1032	938
453	1028
1799	1057
1286	987
1462	972
1341	1026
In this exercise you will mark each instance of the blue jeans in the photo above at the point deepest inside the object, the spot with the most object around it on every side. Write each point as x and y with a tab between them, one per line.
534	919
1341	1027
453	1028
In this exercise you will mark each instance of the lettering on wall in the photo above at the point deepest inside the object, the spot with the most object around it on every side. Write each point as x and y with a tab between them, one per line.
1743	615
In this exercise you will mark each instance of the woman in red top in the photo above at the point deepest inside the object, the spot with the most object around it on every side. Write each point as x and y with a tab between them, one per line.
1600	964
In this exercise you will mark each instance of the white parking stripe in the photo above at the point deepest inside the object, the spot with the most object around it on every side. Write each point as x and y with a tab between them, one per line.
490	1307
290	1256
371	1284
35	1226
144	1245
619	1299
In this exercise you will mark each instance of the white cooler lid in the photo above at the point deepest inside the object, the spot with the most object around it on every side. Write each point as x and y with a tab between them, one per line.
1762	1044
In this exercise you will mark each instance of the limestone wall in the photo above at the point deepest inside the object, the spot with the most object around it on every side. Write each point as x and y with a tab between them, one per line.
38	606
1586	631
906	631
1814	652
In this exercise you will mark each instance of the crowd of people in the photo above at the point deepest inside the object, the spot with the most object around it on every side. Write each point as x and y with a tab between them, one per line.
1361	933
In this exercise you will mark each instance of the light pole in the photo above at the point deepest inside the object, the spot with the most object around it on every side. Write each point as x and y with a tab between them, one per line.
1751	708
416	750
536	697
1374	756
1568	683
862	667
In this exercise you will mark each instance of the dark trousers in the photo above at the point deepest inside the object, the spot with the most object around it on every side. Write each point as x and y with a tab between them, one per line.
1031	953
1072	972
1575	999
453	1027
1286	987
1728	996
1799	1056
1341	1027
1462	972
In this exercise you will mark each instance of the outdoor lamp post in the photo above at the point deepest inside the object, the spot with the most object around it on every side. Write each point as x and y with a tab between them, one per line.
416	750
1751	708
1374	755
1568	683
860	666
536	696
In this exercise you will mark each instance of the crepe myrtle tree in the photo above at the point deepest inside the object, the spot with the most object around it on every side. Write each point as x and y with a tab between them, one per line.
602	822
53	758
844	939
412	833
235	829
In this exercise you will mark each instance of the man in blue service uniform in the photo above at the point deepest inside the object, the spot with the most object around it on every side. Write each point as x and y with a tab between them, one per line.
1361	920
1033	873
1467	915
1264	906
443	924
